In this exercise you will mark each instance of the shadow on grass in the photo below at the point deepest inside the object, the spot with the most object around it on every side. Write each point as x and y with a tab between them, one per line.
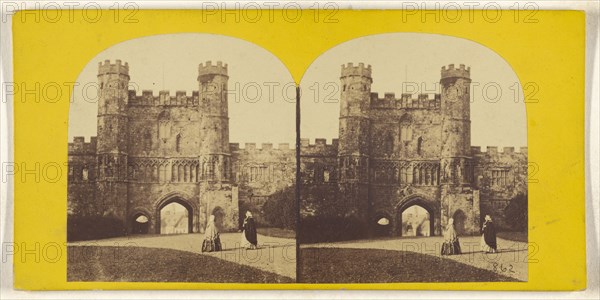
258	248
136	264
339	265
500	251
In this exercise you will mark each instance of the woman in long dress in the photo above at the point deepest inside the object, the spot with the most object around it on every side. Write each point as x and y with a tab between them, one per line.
249	239
451	245
212	241
488	237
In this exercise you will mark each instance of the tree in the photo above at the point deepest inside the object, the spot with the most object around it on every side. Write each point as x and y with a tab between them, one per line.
515	212
280	209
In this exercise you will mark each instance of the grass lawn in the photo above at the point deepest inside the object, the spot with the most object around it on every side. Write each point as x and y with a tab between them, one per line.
136	264
277	232
337	265
513	236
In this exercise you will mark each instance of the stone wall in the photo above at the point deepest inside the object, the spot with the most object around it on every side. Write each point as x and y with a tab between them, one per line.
260	172
82	178
319	178
499	176
416	151
392	153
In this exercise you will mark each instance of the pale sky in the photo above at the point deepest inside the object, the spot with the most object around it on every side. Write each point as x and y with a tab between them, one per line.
171	62
411	57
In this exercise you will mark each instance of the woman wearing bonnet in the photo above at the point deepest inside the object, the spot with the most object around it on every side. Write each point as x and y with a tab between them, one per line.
488	237
212	241
451	245
249	239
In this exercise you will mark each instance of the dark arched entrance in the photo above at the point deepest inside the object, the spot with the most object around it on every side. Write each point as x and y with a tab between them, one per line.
140	224
174	215
460	218
416	217
381	225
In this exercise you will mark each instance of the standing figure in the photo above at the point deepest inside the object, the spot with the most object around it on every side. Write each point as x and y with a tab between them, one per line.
212	241
249	239
451	245
488	238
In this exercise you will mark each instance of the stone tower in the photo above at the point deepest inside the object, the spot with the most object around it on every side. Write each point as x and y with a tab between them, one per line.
214	128
456	125
214	152
456	120
455	159
353	153
112	143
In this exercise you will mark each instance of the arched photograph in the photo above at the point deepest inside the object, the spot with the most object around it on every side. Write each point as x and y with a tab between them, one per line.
413	163
182	163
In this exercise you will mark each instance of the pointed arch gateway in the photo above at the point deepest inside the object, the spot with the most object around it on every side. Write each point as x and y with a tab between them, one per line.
185	221
417	215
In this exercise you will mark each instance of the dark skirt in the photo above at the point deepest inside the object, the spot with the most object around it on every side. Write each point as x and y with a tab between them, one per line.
451	248
211	245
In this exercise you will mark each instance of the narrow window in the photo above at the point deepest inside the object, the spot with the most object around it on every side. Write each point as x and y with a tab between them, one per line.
85	173
389	144
178	143
147	141
211	170
406	131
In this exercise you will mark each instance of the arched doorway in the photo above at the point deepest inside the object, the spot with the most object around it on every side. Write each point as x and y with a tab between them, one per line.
416	217
140	224
174	216
381	225
460	218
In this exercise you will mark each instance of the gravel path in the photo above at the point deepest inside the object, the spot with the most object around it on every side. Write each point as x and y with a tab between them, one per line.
276	255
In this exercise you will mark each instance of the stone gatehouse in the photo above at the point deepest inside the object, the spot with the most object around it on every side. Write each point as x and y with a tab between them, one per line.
394	153
154	150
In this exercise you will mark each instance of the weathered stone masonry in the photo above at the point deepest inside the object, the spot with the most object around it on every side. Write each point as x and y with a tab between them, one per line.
393	153
151	151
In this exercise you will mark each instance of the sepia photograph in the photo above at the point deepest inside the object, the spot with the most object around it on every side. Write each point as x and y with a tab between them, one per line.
413	163
300	148
181	167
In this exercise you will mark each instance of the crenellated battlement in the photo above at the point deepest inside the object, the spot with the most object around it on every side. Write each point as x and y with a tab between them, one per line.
422	101
351	70
493	150
320	147
79	146
210	69
116	68
451	71
164	98
263	147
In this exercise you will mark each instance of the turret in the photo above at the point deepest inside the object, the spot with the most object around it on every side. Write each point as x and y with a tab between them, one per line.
214	127
456	158
112	141
354	108
113	80
353	153
456	123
